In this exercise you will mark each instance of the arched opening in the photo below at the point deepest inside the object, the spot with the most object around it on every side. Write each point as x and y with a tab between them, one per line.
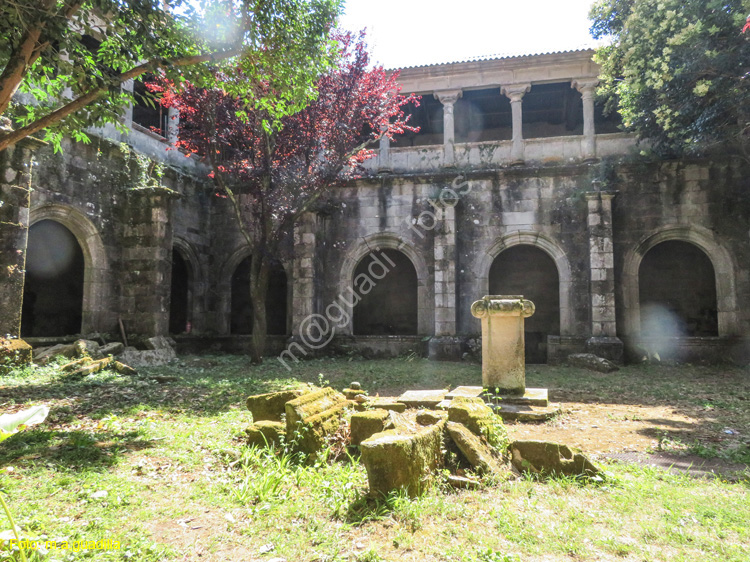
179	300
241	320
531	272
386	283
53	289
677	291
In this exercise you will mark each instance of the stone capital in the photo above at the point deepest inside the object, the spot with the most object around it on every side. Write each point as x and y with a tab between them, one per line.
448	97
597	195
586	86
502	305
515	91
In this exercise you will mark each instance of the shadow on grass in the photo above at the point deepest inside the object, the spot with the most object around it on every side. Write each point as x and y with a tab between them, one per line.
74	450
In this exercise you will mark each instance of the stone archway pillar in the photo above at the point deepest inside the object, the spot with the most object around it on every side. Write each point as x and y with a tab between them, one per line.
603	341
15	201
147	262
303	271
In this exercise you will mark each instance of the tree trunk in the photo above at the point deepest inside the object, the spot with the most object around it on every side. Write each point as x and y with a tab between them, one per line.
260	274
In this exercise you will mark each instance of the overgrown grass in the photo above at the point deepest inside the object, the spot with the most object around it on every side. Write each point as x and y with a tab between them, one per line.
161	467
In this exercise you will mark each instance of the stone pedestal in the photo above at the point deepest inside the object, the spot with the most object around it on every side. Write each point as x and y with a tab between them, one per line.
503	358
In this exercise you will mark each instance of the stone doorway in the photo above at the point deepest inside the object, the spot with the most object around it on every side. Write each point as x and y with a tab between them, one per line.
390	305
529	271
53	289
241	319
677	291
180	295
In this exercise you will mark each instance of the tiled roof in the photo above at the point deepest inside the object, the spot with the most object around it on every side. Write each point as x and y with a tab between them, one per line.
497	57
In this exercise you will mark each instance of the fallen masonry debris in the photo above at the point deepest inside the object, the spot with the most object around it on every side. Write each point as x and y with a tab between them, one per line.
406	442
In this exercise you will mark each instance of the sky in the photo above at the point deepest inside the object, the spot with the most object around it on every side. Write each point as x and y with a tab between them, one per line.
405	33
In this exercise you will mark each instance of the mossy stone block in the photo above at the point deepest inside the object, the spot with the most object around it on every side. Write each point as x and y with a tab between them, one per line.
550	459
366	424
431	417
271	406
398	460
14	353
472	448
471	412
265	433
314	402
311	434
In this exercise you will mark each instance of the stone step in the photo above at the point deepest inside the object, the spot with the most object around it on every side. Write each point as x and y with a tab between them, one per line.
532	396
526	413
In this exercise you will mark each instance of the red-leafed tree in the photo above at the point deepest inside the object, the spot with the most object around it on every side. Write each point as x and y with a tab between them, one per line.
273	173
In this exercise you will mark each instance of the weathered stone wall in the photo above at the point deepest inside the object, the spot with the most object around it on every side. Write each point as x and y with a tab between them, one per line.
596	221
125	224
705	203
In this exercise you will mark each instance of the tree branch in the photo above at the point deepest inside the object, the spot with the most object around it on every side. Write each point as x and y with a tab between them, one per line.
82	101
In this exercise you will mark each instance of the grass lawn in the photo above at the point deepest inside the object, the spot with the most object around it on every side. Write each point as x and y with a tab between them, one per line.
157	463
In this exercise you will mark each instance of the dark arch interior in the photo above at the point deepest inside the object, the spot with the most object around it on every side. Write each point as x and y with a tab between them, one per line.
241	321
53	289
677	291
180	295
389	306
531	272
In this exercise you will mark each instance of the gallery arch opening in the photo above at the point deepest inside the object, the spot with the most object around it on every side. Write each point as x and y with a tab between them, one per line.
529	271
180	295
53	289
677	291
385	282
241	321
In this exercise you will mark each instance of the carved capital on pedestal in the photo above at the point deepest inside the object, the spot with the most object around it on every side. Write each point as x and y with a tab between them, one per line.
515	91
502	305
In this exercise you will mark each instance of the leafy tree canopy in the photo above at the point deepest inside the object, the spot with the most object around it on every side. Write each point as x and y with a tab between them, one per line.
677	70
73	55
272	177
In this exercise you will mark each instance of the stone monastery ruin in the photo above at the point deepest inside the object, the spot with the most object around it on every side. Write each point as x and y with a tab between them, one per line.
516	184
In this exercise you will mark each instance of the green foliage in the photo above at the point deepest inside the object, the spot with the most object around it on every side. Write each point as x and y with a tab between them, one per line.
676	70
282	44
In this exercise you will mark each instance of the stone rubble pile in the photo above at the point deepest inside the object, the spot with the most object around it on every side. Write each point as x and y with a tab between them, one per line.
405	440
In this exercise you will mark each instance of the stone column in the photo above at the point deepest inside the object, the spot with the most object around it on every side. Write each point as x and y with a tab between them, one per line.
448	98
303	281
146	262
603	341
503	357
16	164
516	92
384	156
445	345
588	89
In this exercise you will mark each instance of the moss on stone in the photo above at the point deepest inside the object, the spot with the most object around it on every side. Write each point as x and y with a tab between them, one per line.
366	424
314	402
472	448
431	417
550	459
265	433
13	353
397	460
271	406
310	435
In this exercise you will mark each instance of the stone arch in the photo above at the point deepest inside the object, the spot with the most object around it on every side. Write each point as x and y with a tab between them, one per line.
194	280
709	243
97	311
537	240
235	259
388	241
